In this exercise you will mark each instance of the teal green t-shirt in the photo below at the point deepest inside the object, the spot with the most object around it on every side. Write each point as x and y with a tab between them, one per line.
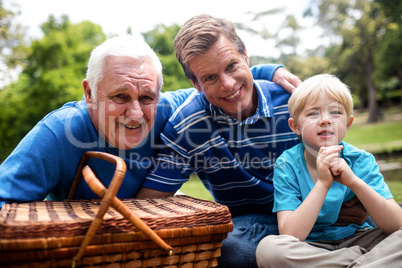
293	183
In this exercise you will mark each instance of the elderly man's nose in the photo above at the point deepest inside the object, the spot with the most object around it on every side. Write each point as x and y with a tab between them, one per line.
134	109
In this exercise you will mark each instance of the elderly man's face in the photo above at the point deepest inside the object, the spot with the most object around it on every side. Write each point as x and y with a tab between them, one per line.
126	102
224	76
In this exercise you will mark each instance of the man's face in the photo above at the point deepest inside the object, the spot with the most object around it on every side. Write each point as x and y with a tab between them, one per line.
224	76
126	104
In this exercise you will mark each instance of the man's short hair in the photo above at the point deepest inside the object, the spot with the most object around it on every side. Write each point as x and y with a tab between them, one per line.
198	35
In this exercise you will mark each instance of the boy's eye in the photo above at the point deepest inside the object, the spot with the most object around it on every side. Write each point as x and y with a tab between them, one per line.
312	114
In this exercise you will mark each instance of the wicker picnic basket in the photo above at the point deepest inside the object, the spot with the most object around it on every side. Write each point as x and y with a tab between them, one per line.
177	231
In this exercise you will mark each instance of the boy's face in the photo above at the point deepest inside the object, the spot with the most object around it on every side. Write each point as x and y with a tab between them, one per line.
323	123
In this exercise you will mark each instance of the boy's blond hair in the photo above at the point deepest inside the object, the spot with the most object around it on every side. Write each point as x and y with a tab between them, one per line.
310	89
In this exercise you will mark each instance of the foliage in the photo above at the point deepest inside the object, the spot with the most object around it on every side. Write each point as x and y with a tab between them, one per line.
161	40
13	49
360	24
388	58
52	76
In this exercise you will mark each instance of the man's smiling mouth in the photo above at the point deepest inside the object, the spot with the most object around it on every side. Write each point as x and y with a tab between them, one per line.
237	92
130	126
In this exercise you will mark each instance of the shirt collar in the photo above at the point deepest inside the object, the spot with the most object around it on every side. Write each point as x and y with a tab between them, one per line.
263	109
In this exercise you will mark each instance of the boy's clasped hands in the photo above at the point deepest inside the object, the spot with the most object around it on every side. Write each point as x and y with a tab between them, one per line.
331	167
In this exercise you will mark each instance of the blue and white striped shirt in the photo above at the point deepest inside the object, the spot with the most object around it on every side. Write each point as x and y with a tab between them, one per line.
234	160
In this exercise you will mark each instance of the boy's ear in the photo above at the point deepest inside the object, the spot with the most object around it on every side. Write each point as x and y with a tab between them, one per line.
350	122
294	126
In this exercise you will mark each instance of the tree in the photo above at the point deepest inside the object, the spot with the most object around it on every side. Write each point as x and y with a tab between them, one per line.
52	76
388	57
13	48
287	40
161	40
360	24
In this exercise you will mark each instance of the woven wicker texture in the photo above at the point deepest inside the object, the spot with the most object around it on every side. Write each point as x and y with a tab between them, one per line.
42	233
176	231
72	218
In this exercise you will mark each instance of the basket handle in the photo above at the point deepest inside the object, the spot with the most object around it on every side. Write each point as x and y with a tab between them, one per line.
108	198
120	165
101	190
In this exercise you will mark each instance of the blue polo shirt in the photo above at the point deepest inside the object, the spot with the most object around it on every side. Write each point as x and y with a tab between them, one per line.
233	159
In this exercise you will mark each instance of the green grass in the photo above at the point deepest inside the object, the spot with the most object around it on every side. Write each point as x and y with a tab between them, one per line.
195	188
384	136
396	190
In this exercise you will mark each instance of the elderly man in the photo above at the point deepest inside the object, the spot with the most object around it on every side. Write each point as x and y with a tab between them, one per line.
122	99
229	132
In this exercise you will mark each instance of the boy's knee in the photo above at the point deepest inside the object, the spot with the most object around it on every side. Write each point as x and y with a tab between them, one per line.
270	252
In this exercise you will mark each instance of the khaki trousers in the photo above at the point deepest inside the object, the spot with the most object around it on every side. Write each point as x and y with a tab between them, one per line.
371	248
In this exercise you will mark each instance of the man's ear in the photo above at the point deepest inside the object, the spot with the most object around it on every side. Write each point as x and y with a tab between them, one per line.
87	91
195	84
294	126
350	122
246	57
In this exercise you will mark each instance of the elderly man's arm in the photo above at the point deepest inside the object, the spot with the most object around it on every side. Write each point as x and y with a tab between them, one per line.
31	170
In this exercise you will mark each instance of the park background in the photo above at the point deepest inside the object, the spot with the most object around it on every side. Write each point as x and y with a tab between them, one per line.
43	57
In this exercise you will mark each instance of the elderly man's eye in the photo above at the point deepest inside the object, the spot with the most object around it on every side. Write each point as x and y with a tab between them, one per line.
146	99
120	98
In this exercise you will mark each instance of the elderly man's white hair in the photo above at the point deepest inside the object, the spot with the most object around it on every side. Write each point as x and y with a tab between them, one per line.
120	46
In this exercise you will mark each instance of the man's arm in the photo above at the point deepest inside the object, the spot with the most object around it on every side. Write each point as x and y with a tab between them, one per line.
147	192
352	211
277	74
31	170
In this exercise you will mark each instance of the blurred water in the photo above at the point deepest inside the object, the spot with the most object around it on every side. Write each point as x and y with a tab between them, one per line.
391	166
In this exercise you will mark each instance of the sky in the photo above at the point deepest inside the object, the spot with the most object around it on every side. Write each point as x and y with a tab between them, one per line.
115	16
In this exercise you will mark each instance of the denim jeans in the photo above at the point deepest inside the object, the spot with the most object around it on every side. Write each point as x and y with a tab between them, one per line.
239	248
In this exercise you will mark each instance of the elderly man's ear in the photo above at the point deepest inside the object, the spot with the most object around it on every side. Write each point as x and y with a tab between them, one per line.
87	92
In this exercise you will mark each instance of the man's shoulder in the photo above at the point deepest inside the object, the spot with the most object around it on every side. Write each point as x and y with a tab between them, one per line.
194	106
67	111
71	117
268	86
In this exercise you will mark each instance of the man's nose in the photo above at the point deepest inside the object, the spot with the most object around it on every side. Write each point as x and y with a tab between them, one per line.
134	109
227	82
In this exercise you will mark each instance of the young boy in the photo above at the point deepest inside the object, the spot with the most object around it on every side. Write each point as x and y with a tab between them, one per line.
314	178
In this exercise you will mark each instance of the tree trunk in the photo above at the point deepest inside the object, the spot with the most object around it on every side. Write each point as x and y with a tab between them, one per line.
400	82
374	111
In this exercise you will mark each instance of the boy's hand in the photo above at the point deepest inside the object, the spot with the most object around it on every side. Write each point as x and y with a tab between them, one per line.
326	155
343	174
